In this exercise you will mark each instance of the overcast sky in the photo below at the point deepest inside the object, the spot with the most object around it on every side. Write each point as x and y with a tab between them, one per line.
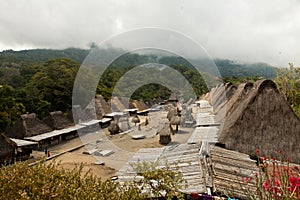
245	30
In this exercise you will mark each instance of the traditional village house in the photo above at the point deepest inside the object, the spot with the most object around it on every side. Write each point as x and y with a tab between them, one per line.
28	125
7	150
259	117
57	120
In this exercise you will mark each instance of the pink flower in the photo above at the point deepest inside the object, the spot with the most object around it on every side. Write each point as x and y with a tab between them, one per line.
257	152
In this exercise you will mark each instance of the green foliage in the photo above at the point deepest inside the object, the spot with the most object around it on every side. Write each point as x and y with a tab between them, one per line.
26	57
237	81
150	91
48	181
10	107
165	182
51	87
41	84
288	82
229	68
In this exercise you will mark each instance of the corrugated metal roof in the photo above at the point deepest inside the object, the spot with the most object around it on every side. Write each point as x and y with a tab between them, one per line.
89	123
104	120
54	133
21	143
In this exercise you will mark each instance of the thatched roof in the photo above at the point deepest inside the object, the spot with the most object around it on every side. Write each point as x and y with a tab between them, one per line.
116	105
258	116
28	125
114	128
233	95
7	146
102	107
165	131
173	97
80	115
57	120
175	120
126	103
140	105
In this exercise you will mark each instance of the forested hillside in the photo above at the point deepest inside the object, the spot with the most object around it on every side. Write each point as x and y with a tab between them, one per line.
42	80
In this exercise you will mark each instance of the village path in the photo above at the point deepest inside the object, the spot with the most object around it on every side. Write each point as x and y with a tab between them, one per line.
122	146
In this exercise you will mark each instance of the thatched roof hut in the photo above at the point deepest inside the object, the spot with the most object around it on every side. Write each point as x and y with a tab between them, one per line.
258	116
102	107
28	125
7	150
114	128
126	103
165	134
116	104
57	120
140	105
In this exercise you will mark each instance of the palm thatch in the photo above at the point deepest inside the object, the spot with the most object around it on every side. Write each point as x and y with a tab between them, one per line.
258	116
28	125
7	150
56	120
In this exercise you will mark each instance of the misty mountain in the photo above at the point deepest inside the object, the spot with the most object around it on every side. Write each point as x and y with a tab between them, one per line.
10	60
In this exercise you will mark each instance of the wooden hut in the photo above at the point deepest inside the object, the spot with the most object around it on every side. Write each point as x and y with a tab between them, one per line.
165	134
259	117
28	125
7	150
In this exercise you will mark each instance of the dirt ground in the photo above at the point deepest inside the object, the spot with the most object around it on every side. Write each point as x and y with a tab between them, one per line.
122	145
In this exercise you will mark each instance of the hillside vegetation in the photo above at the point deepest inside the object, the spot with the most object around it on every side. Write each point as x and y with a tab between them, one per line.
41	80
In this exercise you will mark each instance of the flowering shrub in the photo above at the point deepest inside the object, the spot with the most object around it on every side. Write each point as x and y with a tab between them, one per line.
277	179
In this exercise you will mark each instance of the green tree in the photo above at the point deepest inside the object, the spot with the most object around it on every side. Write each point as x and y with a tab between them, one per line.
288	82
51	87
10	108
